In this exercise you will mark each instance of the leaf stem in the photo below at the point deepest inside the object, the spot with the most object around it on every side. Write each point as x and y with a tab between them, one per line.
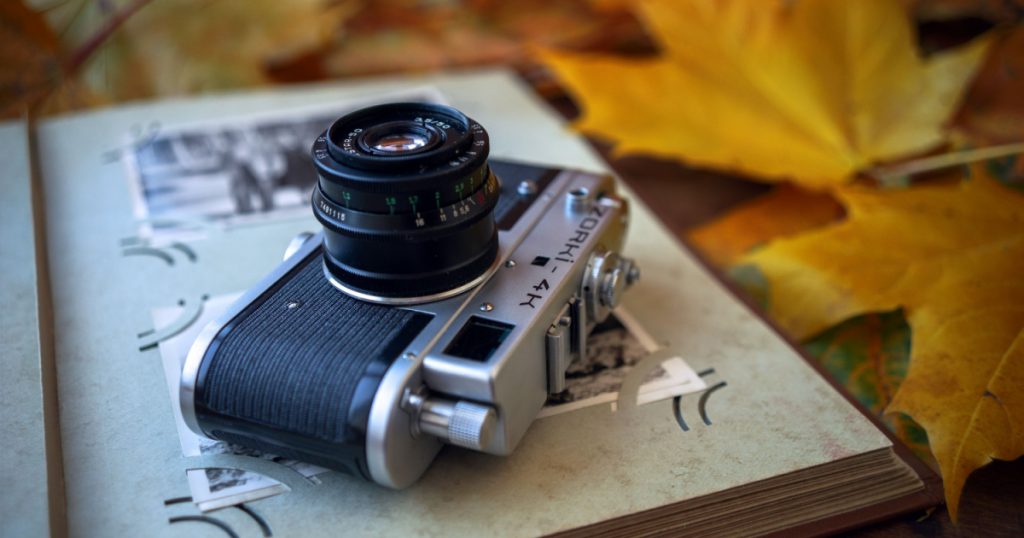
895	172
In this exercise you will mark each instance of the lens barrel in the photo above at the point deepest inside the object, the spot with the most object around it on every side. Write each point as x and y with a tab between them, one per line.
406	199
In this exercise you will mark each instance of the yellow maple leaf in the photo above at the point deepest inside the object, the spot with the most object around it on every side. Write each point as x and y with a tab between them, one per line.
811	90
784	211
951	255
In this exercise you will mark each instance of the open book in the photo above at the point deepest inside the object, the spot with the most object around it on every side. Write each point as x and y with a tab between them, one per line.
691	415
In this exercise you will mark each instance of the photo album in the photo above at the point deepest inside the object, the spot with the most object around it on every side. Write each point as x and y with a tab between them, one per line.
567	367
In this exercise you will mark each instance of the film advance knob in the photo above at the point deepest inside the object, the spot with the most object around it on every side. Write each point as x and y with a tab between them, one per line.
461	423
471	425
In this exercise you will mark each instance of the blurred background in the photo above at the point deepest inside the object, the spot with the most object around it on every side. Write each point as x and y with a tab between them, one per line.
71	54
61	55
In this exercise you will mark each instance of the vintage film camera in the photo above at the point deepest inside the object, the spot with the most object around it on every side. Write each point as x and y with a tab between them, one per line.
442	302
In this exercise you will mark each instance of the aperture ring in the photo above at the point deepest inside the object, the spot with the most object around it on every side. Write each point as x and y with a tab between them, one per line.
386	198
344	220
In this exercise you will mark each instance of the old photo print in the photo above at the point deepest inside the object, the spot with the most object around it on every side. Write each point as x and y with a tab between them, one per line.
614	348
233	173
213	488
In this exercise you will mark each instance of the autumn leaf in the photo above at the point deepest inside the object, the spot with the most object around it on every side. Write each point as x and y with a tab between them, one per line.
175	47
950	255
786	210
32	69
810	90
868	355
30	57
412	35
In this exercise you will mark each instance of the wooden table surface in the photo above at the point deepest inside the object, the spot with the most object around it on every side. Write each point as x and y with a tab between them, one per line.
993	499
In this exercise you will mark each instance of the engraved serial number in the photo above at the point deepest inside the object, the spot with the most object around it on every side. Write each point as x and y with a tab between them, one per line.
332	212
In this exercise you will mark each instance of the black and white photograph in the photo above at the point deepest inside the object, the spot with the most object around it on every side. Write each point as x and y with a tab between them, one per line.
307	470
611	352
213	488
613	348
221	479
248	171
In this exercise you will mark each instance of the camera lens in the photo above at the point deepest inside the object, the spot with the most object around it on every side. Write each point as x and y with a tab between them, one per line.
406	199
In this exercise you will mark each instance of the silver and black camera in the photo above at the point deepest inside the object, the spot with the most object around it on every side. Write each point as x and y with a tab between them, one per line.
442	302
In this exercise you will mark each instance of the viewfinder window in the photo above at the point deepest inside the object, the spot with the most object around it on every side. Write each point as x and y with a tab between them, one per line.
478	339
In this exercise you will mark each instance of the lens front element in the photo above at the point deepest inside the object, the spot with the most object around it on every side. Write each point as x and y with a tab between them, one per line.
399	143
406	199
398	137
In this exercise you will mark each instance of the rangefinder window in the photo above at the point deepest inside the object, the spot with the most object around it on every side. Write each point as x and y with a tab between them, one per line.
478	339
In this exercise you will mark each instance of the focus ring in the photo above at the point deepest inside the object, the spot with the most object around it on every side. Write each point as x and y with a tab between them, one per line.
396	195
344	220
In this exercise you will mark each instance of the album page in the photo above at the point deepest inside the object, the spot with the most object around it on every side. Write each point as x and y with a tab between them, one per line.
159	214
